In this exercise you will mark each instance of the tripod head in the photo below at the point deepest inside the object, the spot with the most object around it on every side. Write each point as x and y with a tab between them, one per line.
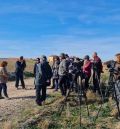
111	66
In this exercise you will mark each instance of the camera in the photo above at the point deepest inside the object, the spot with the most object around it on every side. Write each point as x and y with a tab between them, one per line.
111	66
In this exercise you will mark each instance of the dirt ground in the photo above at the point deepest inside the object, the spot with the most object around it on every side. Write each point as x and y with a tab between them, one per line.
19	101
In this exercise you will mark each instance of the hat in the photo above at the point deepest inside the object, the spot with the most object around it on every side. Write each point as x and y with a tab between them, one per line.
87	57
43	57
21	57
62	55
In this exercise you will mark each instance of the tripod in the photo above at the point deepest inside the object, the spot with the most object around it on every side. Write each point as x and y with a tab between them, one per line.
97	78
81	94
114	89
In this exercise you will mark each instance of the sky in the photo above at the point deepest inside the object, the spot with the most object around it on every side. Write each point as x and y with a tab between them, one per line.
47	27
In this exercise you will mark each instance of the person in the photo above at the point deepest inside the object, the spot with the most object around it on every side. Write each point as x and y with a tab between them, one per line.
117	76
97	68
87	71
63	72
34	70
19	71
42	80
55	77
78	63
3	79
117	65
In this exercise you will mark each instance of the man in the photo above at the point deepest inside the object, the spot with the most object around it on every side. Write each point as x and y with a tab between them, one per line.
63	72
117	65
19	71
97	70
43	76
34	70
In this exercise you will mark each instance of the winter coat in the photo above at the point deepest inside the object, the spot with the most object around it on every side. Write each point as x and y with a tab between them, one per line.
55	69
20	67
43	73
63	68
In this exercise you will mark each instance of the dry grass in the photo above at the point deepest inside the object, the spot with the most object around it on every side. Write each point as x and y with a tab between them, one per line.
91	96
44	124
7	125
12	61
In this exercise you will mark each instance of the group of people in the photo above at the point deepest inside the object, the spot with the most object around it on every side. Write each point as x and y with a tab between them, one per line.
20	66
63	72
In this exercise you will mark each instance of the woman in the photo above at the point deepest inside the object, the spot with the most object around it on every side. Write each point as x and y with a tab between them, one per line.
87	71
3	79
55	69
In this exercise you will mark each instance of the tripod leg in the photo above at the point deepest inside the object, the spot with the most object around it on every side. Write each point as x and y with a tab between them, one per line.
79	97
84	95
101	96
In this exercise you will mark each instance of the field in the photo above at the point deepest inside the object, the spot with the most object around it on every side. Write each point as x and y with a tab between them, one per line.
12	61
21	111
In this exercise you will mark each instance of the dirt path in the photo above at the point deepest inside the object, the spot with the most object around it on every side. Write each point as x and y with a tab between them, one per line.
20	100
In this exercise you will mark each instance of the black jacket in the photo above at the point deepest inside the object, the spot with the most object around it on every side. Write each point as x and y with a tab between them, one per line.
43	73
20	67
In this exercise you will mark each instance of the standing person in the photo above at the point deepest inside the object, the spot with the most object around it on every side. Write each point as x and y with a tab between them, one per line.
97	69
19	71
34	70
3	79
87	70
78	63
63	72
117	76
55	69
42	80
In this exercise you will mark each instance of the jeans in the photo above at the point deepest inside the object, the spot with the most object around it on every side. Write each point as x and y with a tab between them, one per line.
40	93
3	87
55	84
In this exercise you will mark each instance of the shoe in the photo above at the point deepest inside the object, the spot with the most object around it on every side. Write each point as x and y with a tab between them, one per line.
24	88
52	87
55	90
1	97
39	103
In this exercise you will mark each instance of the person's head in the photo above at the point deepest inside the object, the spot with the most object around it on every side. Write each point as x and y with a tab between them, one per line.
4	64
38	60
117	58
43	58
62	56
56	58
66	56
95	54
21	58
87	58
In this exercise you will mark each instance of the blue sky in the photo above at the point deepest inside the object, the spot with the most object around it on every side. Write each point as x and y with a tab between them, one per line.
78	27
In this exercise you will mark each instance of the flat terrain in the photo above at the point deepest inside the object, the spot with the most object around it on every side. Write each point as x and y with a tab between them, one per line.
22	112
21	104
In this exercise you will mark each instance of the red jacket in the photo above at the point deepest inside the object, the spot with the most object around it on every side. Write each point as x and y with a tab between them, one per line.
87	68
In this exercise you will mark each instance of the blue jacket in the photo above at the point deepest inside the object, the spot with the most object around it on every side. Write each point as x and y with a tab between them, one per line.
43	73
